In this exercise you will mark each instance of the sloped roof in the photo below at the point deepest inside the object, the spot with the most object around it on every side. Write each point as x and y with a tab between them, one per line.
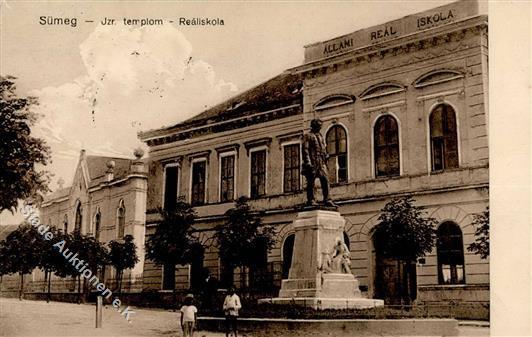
97	166
60	193
280	91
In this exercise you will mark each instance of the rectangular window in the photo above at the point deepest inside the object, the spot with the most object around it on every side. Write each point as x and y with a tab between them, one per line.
170	187
292	169
258	173
168	277
198	183
227	178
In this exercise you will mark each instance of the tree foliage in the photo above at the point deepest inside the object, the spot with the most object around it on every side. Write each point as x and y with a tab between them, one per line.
21	153
173	238
51	259
481	246
242	236
122	256
21	250
404	232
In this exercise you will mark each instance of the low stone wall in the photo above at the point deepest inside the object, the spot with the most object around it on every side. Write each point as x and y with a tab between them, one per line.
338	327
458	293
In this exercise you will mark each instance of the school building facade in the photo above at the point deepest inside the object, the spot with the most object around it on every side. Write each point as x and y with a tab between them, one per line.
404	107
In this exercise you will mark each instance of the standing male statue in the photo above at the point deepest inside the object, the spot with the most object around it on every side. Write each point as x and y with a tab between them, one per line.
315	163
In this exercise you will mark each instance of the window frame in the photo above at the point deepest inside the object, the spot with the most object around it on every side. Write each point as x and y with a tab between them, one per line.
430	157
178	178
121	205
80	209
258	149
373	147
97	224
337	169
221	156
192	162
453	269
163	268
65	223
283	145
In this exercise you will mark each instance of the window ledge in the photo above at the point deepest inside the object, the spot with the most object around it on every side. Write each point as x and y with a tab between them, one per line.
384	178
454	169
291	193
343	183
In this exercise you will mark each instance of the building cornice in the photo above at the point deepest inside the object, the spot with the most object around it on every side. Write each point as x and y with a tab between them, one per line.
404	44
158	137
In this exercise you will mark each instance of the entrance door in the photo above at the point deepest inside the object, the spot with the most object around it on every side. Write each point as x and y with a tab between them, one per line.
387	280
394	282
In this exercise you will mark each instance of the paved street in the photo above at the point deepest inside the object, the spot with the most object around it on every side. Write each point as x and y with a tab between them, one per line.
36	318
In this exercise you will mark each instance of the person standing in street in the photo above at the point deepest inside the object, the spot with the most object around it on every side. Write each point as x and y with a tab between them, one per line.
188	316
231	307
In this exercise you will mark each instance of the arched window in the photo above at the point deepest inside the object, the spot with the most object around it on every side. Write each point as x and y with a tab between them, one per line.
443	140
288	249
65	224
79	218
450	254
97	222
337	149
386	138
121	219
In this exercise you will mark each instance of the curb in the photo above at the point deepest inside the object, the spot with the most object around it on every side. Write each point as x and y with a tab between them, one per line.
482	324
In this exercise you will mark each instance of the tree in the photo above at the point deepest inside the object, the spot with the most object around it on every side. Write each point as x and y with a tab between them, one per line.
91	251
21	153
173	238
404	234
242	238
4	263
122	255
51	259
481	246
65	269
21	249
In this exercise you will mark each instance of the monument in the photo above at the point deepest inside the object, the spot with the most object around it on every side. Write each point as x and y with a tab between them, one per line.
320	275
315	164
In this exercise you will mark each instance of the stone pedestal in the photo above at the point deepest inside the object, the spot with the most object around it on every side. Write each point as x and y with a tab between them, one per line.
308	284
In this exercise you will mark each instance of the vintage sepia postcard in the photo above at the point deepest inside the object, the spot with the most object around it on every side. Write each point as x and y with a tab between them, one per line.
281	168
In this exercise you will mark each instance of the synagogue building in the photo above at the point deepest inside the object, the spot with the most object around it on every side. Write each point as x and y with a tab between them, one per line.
107	200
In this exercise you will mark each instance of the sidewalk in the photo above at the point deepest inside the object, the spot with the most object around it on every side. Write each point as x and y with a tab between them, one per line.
38	318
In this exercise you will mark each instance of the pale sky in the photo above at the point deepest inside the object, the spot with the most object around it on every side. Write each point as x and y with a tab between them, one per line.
99	85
